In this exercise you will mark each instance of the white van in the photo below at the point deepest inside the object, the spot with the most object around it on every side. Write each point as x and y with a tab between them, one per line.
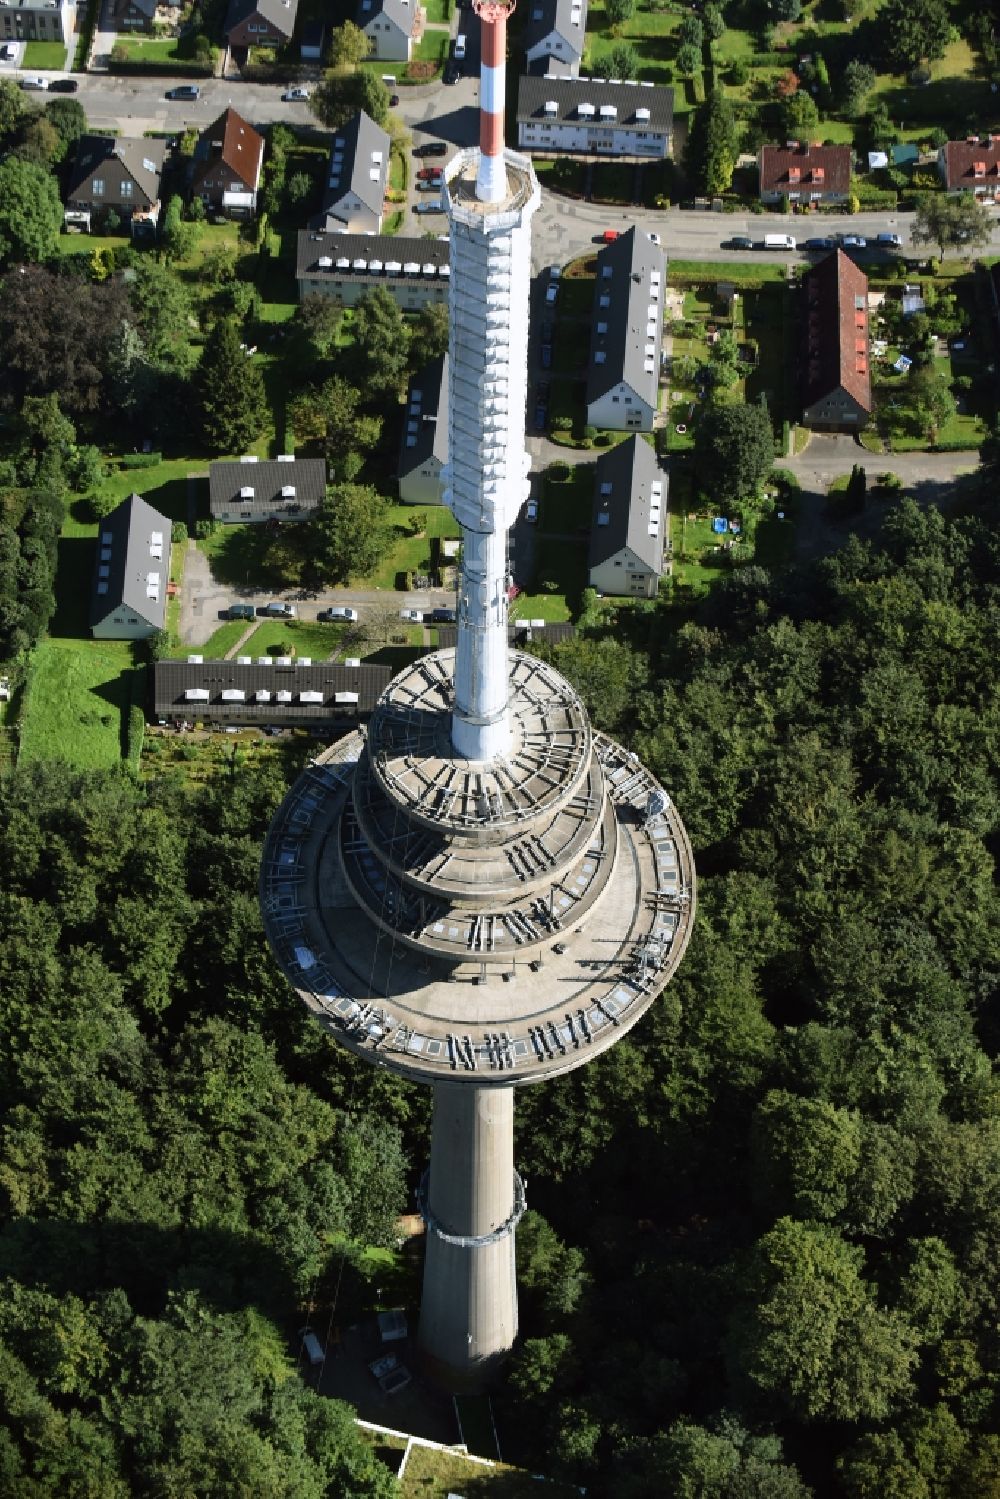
312	1345
460	44
780	242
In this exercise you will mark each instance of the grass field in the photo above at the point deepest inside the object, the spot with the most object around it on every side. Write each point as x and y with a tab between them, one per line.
45	55
223	640
411	553
301	637
435	1475
76	705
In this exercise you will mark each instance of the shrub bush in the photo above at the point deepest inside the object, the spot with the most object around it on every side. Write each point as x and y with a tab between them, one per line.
178	531
136	734
140	460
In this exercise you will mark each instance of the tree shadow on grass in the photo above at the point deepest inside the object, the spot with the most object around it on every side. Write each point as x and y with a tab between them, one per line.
241	555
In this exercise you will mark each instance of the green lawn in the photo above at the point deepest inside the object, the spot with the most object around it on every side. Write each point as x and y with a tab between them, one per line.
681	272
222	641
302	637
432	46
567	504
45	55
411	553
430	1474
153	49
77	701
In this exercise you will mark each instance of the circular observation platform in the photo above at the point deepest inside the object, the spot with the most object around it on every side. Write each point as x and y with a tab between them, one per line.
438	924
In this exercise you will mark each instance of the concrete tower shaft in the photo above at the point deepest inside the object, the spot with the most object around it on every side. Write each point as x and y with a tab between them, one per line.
485	480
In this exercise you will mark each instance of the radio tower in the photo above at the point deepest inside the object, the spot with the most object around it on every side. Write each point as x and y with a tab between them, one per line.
480	892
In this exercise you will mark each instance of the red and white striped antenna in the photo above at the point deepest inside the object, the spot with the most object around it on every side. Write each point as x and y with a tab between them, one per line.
491	180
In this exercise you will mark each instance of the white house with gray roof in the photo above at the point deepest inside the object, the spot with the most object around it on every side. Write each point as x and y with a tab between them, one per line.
595	116
391	27
346	267
626	332
356	178
128	596
554	35
424	448
629	529
276	489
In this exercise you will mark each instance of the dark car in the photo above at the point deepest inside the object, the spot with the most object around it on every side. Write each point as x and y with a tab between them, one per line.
541	416
63	86
546	356
431	148
442	616
820	242
430	174
184	91
739	242
393	101
542	390
452	73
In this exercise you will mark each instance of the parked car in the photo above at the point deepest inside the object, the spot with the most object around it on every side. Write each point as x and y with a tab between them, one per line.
820	242
340	613
63	85
546	356
542	390
279	611
184	91
452	73
738	242
442	616
241	611
430	174
854	242
609	236
295	95
888	239
393	101
654	238
541	416
431	148
380	1367
397	1379
552	294
32	81
311	1345
412	616
531	511
460	46
435	207
428	185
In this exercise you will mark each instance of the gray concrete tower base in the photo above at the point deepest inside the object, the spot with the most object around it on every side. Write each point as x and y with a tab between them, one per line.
471	1201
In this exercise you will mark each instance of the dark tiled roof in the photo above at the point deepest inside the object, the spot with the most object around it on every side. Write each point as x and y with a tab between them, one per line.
232	140
141	158
631	272
359	149
267	479
175	678
425	422
971	161
798	168
627	512
132	566
567	17
376	251
835	331
279	13
569	93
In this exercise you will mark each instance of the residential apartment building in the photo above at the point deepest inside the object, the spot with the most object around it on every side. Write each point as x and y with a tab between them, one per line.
629	530
594	116
128	594
356	179
347	267
289	691
254	489
424	446
627	328
805	173
555	32
36	21
835	369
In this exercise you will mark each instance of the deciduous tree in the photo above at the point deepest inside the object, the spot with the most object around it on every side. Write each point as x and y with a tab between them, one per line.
735	451
30	211
349	534
913	31
952	222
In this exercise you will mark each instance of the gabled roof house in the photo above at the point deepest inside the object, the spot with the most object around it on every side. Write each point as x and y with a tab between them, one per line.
120	173
254	489
626	333
128	595
424	447
225	168
356	178
554	35
835	370
259	23
805	173
391	26
972	166
629	529
133	15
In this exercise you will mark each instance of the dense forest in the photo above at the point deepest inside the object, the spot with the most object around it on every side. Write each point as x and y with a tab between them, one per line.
760	1258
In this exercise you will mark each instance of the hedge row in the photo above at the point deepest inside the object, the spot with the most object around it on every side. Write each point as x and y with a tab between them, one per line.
140	460
135	67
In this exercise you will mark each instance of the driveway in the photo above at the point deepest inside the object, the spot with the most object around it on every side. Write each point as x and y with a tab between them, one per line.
929	477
